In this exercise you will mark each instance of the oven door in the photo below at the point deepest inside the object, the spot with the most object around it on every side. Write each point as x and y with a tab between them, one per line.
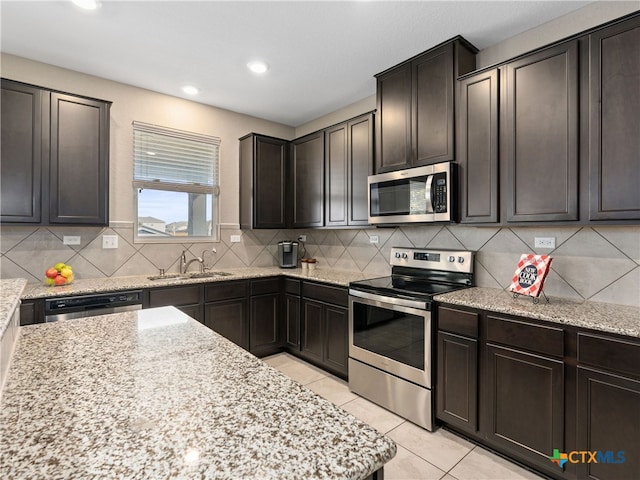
392	337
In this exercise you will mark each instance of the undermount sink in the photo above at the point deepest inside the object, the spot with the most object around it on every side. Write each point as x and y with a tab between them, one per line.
186	276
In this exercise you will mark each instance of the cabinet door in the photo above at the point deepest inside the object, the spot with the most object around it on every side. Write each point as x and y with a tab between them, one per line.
79	161
194	311
292	320
336	178
21	153
336	348
307	180
608	421
457	381
312	340
432	106
262	182
263	325
360	144
31	312
478	147
393	126
540	135
229	319
614	122
524	411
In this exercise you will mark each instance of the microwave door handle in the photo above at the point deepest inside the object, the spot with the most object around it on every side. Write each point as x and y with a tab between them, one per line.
429	194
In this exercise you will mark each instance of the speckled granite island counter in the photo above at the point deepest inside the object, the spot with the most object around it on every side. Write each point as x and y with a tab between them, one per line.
155	394
605	317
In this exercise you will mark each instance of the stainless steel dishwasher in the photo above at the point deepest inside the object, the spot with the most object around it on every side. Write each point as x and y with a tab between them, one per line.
78	306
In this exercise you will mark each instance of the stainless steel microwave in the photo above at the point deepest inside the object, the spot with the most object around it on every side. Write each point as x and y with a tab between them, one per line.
416	195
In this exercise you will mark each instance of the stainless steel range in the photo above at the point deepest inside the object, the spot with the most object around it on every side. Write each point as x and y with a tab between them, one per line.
390	329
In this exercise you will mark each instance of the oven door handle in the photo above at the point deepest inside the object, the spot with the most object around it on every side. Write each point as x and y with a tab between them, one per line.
401	302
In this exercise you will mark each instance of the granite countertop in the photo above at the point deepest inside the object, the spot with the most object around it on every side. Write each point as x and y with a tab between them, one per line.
606	317
10	293
155	394
84	287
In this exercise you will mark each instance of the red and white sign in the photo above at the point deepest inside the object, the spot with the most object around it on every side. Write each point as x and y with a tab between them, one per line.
530	274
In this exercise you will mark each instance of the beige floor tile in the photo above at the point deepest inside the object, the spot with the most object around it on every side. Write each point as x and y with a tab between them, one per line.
408	466
333	389
277	359
481	464
301	372
377	417
441	448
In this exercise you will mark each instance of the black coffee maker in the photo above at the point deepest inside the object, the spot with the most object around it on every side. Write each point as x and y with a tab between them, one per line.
288	254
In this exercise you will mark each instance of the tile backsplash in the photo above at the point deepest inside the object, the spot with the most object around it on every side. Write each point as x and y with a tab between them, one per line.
595	263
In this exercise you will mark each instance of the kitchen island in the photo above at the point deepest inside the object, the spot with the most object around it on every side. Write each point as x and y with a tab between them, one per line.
155	394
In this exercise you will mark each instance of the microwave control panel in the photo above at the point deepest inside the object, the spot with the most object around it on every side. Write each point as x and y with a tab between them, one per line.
440	193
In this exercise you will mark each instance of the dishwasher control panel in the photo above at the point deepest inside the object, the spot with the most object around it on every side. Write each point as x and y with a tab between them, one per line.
105	300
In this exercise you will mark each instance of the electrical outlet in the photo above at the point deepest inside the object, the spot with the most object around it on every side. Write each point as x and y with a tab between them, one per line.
71	240
374	239
109	241
235	238
302	238
545	242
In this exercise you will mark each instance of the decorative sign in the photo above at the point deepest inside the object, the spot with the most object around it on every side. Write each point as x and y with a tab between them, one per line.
530	274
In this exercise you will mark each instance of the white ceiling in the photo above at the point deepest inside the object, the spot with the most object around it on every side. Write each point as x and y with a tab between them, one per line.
322	55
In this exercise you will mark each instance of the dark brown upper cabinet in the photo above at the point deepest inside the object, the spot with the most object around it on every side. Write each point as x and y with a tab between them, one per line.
307	181
539	135
263	163
416	107
57	152
21	166
478	147
348	162
614	122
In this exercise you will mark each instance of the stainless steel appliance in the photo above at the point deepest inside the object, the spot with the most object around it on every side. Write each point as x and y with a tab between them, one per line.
288	254
422	194
390	329
64	308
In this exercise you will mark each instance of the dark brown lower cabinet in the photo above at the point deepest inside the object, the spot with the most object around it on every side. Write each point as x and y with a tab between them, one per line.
537	387
457	392
184	298
264	317
225	310
324	327
229	319
608	407
292	322
31	311
525	404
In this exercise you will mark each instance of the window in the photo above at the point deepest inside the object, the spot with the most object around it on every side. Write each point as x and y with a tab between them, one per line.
175	181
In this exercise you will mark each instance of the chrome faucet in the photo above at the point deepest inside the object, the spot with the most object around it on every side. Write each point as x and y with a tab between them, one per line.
184	265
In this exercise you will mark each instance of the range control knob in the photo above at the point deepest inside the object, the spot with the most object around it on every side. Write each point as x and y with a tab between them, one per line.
452	258
460	259
405	256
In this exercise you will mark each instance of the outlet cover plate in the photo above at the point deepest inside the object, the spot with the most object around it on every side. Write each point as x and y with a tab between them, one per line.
302	238
109	241
545	242
374	239
235	238
71	240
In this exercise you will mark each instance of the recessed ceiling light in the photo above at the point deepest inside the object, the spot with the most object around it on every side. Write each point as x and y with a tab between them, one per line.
190	90
87	4
258	67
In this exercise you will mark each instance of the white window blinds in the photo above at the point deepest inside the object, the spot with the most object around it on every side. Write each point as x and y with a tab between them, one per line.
174	158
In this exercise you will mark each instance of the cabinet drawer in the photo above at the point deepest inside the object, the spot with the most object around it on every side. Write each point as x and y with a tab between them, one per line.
265	285
458	321
616	355
325	293
534	338
292	286
160	297
225	290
